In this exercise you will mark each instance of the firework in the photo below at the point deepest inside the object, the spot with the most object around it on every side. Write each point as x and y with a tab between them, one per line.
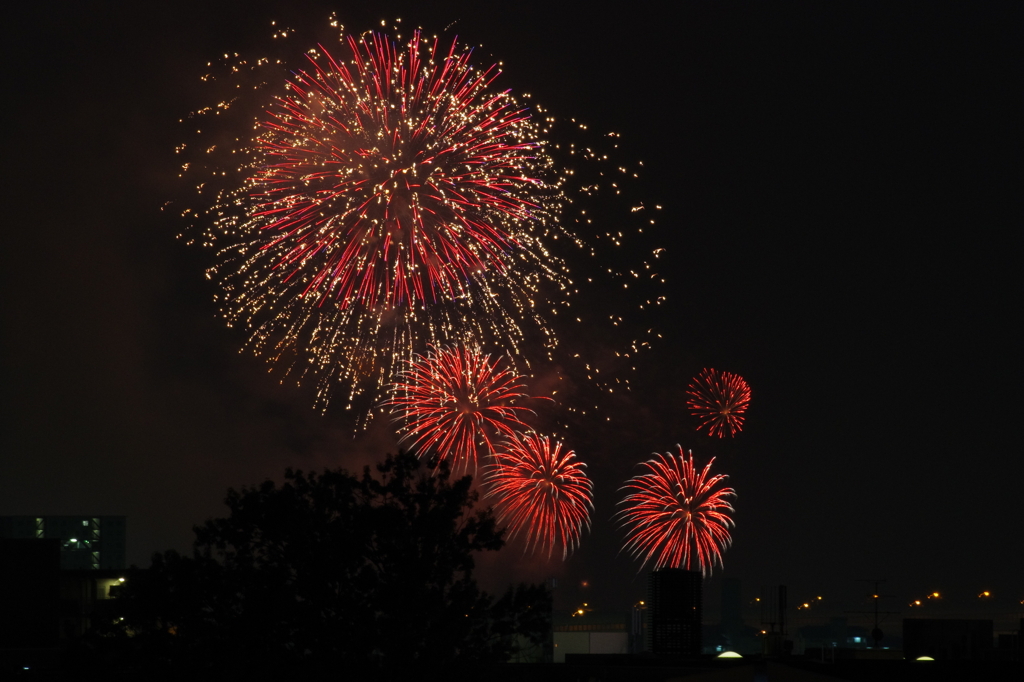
455	401
541	491
391	198
677	516
718	400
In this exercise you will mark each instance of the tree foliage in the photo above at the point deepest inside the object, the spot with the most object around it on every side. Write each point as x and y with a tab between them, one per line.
334	569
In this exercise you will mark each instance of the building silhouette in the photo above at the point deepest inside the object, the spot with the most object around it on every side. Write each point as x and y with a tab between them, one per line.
85	542
61	573
30	613
675	609
947	638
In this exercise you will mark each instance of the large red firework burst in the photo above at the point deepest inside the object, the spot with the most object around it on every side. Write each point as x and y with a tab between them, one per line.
453	401
393	178
718	400
677	515
392	198
541	491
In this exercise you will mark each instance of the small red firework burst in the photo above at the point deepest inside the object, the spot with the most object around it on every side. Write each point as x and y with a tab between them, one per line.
455	400
541	491
676	515
718	400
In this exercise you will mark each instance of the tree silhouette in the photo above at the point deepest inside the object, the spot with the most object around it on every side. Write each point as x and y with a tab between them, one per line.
331	570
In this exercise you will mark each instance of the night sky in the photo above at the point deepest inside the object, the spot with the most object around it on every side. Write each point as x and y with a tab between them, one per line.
841	187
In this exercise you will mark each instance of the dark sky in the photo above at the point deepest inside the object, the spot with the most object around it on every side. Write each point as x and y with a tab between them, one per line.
842	208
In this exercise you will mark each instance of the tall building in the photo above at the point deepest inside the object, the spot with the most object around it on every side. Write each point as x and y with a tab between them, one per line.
638	626
30	605
674	608
86	542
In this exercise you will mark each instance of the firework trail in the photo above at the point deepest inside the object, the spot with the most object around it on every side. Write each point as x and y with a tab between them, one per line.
718	400
391	198
541	492
454	401
677	515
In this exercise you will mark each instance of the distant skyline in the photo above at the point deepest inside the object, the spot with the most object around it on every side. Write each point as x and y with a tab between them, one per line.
841	200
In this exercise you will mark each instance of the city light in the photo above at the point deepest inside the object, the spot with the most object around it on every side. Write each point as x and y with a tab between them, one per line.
935	595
